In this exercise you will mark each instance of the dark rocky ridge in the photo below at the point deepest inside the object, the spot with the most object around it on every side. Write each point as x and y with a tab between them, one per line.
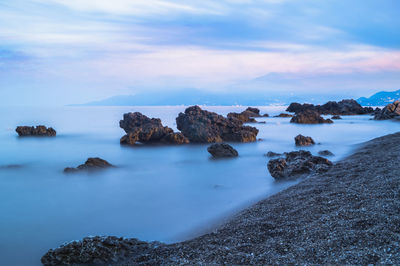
309	117
344	107
349	215
90	165
390	111
40	131
207	127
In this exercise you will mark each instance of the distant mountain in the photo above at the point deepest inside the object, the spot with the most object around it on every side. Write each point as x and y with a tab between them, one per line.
193	97
381	98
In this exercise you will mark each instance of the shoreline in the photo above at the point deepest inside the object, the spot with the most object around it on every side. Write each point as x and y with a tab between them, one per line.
349	215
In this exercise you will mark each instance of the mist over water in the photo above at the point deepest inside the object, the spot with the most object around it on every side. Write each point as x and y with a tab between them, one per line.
163	193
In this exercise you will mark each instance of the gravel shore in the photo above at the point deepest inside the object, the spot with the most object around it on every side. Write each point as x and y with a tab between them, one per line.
349	215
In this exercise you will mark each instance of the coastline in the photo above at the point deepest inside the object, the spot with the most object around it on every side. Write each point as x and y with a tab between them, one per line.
349	215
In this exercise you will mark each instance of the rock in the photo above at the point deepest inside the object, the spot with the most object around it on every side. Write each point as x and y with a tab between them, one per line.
344	107
90	164
206	127
273	154
140	128
244	117
309	117
24	131
336	117
325	153
265	115
221	150
11	166
390	111
98	250
284	115
301	140
296	164
252	112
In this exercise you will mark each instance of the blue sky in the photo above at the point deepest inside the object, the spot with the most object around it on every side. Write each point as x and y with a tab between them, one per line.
72	51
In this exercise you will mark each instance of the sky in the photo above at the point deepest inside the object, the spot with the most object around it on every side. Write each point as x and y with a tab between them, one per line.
74	51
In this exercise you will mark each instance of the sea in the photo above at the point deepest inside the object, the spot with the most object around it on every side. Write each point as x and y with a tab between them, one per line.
156	193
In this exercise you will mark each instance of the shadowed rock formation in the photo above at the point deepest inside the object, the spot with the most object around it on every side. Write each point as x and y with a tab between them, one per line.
89	165
390	111
344	107
301	140
221	150
309	117
42	131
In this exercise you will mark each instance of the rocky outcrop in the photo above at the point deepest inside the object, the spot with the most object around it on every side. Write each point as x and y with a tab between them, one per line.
344	107
89	165
390	111
244	117
252	112
140	128
202	126
325	153
98	250
301	140
284	115
336	117
24	131
296	164
222	150
309	117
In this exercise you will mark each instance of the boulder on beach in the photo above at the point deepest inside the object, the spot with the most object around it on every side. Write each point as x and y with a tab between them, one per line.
140	128
202	126
40	131
284	115
297	164
309	117
301	140
336	117
90	164
344	107
325	153
222	150
390	111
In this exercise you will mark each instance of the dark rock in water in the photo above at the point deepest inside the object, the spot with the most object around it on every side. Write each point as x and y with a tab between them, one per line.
11	166
284	115
273	154
309	117
244	117
252	112
325	153
140	128
296	164
336	117
301	140
344	107
90	164
220	150
265	115
98	250
206	127
24	131
390	111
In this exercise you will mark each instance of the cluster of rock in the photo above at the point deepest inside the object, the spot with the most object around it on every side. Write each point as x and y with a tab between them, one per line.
296	164
96	251
390	111
344	107
301	140
140	128
309	117
222	150
89	165
202	126
24	131
247	116
284	115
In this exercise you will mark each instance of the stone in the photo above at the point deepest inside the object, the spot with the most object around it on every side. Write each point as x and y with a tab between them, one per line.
39	131
90	164
272	154
284	115
344	107
309	117
301	140
325	153
244	117
221	150
336	117
390	111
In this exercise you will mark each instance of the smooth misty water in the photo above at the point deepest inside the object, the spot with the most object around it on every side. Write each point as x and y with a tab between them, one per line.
156	193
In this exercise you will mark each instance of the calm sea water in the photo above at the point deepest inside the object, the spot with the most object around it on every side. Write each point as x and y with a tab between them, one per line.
168	193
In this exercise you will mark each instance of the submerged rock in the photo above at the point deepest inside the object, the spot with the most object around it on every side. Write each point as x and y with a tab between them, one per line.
24	131
309	117
140	128
206	127
301	140
336	117
390	111
296	164
221	150
98	250
325	153
90	164
284	115
344	107
273	154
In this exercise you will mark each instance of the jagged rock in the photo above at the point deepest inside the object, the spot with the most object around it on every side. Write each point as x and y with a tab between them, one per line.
296	164
206	127
325	153
90	164
284	115
336	117
244	117
273	154
24	131
98	250
140	128
301	140
390	111
309	117
220	150
252	112
344	107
